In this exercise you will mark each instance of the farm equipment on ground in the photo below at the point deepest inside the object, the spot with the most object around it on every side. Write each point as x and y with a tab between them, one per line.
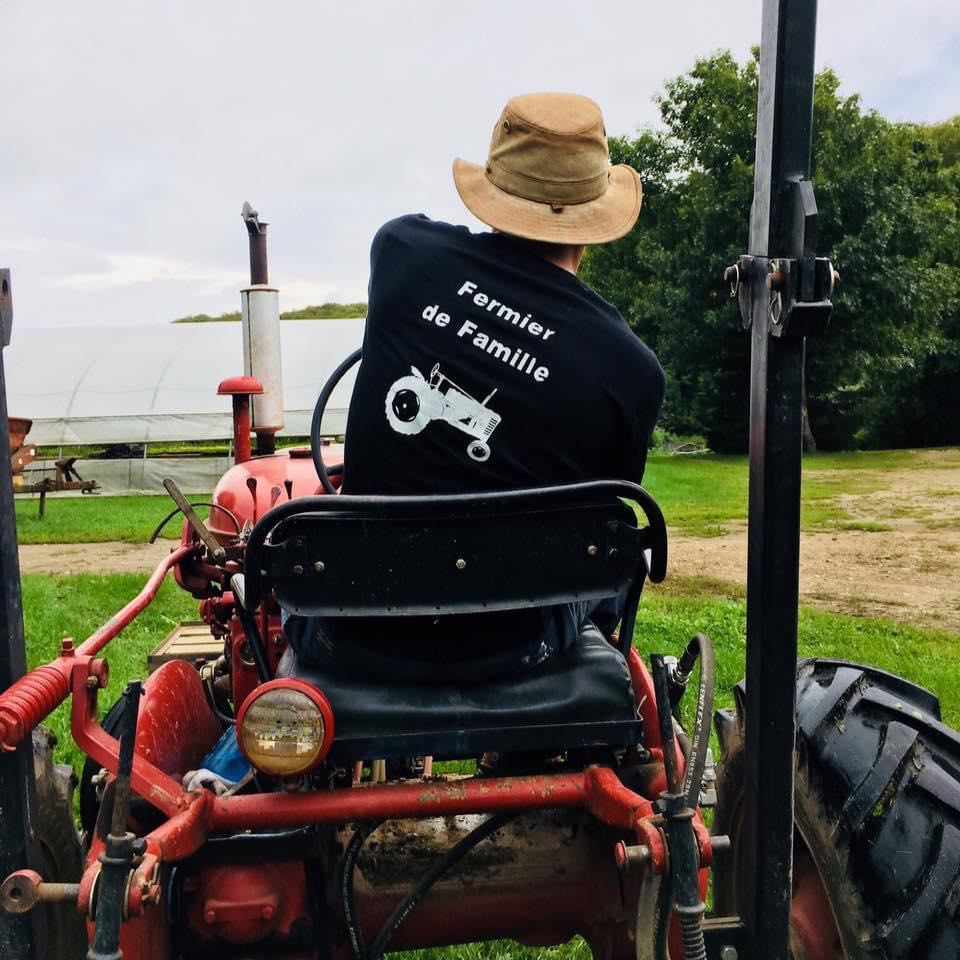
22	454
836	831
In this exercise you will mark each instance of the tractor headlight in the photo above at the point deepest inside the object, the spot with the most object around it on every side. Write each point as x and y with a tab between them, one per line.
285	727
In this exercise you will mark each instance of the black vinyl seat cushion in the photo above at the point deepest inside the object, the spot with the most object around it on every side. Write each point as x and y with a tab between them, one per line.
582	698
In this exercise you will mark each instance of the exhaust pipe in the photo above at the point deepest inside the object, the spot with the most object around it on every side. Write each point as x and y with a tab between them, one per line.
260	312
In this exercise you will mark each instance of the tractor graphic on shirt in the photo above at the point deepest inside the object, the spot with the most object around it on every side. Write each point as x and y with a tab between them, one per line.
413	401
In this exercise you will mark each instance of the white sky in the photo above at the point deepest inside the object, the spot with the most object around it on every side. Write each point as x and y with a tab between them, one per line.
131	132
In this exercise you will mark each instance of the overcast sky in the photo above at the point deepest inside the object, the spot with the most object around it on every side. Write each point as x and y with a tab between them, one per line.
131	132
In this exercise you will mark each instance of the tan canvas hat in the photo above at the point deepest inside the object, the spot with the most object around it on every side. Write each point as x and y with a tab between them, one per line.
548	176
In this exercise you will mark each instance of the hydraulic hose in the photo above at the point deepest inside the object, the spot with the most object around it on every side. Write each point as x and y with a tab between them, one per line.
680	801
700	647
456	853
323	472
357	949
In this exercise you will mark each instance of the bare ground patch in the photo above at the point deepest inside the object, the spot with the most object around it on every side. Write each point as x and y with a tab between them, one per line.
109	557
898	554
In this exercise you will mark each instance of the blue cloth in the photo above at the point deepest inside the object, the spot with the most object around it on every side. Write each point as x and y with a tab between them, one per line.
225	759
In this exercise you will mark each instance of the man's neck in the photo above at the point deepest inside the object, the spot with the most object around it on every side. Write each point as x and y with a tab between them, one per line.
567	256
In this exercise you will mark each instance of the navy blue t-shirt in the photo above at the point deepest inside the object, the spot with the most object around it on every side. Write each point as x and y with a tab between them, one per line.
486	367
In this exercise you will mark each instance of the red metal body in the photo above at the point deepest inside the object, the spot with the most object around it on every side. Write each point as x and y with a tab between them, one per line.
250	489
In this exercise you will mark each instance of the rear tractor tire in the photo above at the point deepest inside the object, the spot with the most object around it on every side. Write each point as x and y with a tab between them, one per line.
60	850
877	816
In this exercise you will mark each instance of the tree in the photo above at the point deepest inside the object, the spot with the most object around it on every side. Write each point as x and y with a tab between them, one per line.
888	199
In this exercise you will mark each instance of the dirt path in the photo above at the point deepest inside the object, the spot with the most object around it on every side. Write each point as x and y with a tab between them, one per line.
909	571
110	557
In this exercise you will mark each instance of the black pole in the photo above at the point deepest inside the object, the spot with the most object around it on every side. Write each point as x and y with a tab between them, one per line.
17	793
257	233
783	298
117	860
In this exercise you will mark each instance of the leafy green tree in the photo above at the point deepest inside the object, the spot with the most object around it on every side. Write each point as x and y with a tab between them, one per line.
888	199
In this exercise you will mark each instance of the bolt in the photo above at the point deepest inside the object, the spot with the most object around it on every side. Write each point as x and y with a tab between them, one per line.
297	569
461	564
319	566
268	911
728	952
210	916
592	550
66	647
627	857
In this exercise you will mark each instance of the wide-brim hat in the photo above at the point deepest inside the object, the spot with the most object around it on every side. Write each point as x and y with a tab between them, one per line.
548	174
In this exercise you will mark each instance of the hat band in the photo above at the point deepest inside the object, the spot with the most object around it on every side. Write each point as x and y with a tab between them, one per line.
547	191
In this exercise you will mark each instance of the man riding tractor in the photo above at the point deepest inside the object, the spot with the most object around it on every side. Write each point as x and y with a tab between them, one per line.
577	392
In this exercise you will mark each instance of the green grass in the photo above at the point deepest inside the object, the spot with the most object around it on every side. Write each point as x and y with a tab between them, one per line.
700	495
55	606
58	606
705	495
96	519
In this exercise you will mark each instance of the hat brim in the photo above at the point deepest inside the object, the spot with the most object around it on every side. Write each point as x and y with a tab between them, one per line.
609	217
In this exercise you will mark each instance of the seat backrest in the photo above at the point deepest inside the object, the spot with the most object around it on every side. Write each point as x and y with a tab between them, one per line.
364	556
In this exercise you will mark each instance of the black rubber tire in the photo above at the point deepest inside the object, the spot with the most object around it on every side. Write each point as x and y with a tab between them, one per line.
877	808
60	849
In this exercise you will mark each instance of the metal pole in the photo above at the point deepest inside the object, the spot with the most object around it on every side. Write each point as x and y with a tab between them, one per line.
778	273
17	795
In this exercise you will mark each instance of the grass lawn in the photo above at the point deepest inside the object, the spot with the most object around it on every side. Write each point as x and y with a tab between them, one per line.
700	495
96	519
74	606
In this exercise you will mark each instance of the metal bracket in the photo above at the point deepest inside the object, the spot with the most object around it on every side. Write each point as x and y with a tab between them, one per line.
800	296
798	288
798	293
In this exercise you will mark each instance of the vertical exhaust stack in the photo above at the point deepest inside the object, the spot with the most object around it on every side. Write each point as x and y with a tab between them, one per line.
260	312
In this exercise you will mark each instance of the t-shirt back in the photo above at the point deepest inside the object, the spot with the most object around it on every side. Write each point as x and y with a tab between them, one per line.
487	367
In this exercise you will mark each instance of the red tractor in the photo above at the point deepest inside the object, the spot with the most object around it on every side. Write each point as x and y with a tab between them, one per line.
258	808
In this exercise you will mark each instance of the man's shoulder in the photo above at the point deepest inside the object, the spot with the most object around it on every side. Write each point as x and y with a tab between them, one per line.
420	227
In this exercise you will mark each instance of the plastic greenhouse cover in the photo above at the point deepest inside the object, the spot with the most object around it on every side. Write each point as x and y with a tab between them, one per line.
158	382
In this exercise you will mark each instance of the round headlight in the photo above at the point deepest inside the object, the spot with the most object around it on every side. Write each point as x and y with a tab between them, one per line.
285	727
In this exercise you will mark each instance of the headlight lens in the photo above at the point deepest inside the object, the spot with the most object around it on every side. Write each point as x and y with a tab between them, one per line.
285	727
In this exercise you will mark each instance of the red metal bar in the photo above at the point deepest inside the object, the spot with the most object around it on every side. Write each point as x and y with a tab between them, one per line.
147	780
613	803
100	638
398	802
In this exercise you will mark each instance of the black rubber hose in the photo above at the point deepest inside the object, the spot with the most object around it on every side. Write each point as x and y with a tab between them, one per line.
317	420
456	853
200	503
357	948
700	647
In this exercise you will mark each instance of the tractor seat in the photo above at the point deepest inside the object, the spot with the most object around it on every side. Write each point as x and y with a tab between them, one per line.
347	556
582	698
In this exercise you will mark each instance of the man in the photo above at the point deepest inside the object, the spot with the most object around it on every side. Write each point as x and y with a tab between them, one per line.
488	365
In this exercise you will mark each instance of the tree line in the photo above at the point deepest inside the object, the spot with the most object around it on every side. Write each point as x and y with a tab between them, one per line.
323	311
887	371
